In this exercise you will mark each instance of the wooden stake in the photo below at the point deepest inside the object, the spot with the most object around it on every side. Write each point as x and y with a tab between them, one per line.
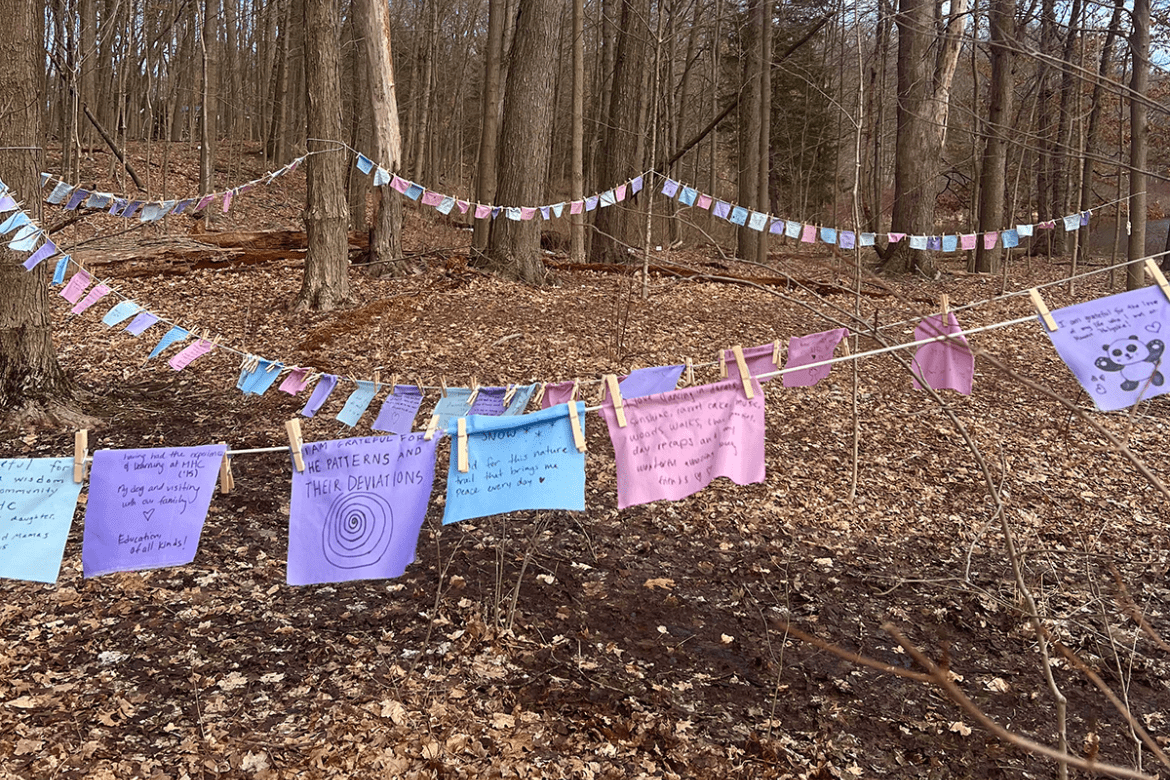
744	375
1159	277
575	421
944	303
464	467
616	394
295	441
80	451
1042	308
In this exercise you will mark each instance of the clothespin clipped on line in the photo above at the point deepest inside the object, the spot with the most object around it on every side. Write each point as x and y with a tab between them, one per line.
744	375
578	427
1042	308
690	373
461	443
474	392
1159	277
576	389
616	394
80	451
540	392
722	364
432	426
509	393
226	480
393	383
776	353
944	303
377	379
295	442
443	385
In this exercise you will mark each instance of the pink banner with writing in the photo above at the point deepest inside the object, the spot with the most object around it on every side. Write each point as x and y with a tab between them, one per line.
675	444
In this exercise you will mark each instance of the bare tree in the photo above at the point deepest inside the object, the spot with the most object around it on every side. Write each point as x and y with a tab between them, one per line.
1139	130
999	111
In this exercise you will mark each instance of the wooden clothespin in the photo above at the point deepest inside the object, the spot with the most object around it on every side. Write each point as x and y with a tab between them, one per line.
295	442
576	389
601	396
509	393
776	353
377	379
443	385
616	394
575	422
744	374
690	373
474	392
432	426
461	443
944	303
1042	308
226	480
80	451
1159	277
393	383
540	392
722	364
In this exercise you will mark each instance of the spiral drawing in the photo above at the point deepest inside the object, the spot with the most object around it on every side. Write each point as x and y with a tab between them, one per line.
357	531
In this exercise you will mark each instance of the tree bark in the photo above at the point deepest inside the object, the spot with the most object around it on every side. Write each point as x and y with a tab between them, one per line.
514	250
1139	46
34	390
485	180
373	20
924	89
577	188
325	284
999	111
748	159
616	229
208	111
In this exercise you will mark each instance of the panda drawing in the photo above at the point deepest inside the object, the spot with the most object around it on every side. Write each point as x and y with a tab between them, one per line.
1137	362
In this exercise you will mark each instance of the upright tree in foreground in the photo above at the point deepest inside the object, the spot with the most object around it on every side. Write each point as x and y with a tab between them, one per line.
33	388
514	249
992	184
1139	47
325	284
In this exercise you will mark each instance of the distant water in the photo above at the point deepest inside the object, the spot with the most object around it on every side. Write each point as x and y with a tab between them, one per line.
1101	237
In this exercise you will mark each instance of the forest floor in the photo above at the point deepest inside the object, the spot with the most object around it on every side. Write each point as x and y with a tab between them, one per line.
649	642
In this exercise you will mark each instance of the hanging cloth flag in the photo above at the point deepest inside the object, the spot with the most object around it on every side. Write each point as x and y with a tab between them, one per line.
399	184
688	196
722	209
170	337
990	239
558	209
636	185
512	213
75	199
758	220
59	271
445	205
72	291
792	229
26	238
675	444
942	364
828	235
123	310
669	188
894	238
868	239
133	207
777	227
1111	346
1010	239
556	393
464	206
527	212
1072	222
431	198
577	207
608	198
140	323
918	242
1085	218
704	202
1024	231
7	202
188	354
813	348
933	243
591	203
809	234
950	243
482	211
489	401
320	394
968	241
739	215
496	211
847	239
37	499
364	164
227	200
515	464
98	292
146	507
381	177
642	382
414	191
100	200
255	380
296	381
59	194
116	207
357	508
357	403
758	359
619	193
399	410
47	250
544	213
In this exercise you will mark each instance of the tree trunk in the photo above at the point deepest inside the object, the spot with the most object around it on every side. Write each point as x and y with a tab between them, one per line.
33	388
514	251
924	89
325	284
485	180
993	180
616	227
1139	46
1070	84
208	111
748	159
373	24
763	199
577	188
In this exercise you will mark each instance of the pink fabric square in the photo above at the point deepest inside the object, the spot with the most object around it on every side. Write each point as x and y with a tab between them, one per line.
555	394
527	212
704	202
463	206
809	234
576	207
989	240
805	350
968	241
482	211
619	192
943	364
896	237
431	198
399	184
